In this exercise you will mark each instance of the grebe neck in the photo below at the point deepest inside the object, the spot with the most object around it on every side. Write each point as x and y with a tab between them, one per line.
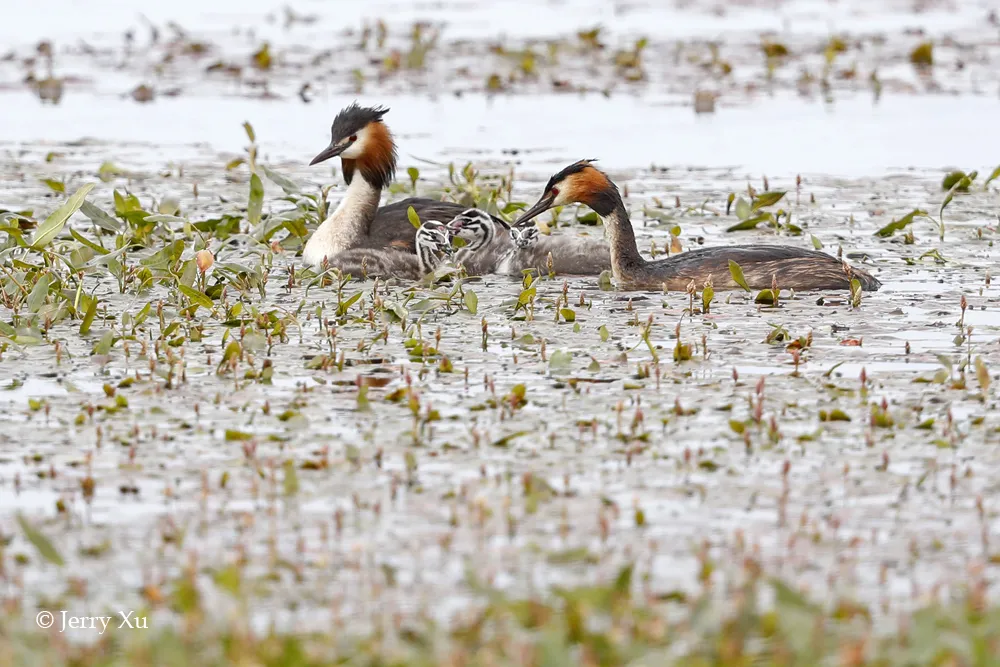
621	237
347	226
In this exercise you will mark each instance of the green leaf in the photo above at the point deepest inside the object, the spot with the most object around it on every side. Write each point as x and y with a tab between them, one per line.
749	223
42	544
505	440
902	223
414	219
816	242
568	314
55	222
993	176
767	296
38	293
347	303
249	129
706	298
228	579
471	301
742	208
56	186
288	185
291	479
125	205
233	434
256	203
766	199
560	360
737	273
100	218
87	242
605	334
104	345
88	319
196	296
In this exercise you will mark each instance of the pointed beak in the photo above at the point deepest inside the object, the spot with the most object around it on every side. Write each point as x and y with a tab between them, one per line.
541	206
333	150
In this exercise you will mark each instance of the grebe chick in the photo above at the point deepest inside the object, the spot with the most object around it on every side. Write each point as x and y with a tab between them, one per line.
433	245
485	247
368	155
524	237
793	268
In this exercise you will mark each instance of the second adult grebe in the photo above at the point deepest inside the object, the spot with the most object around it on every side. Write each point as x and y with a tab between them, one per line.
792	268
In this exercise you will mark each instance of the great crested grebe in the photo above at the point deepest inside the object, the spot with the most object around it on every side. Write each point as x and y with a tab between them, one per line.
792	268
368	155
508	253
433	244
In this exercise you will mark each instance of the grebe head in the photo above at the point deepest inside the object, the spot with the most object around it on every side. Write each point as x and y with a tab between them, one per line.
473	226
363	143
524	237
433	243
579	183
435	237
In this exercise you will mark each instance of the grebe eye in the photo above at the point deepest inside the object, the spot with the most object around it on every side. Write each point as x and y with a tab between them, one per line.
555	191
354	137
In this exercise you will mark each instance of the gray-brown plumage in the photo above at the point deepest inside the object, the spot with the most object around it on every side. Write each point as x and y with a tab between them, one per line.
763	265
433	243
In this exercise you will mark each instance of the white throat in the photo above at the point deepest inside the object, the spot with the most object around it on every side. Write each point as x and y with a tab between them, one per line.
347	226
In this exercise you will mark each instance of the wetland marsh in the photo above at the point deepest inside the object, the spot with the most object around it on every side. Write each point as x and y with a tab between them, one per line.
272	466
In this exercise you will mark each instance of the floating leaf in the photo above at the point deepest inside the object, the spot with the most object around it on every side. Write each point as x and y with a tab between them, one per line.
568	314
256	203
55	186
471	301
505	440
560	360
605	334
233	434
54	223
765	199
737	273
196	296
88	318
993	176
766	296
835	415
749	223
817	244
42	544
743	209
923	55
411	215
902	223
